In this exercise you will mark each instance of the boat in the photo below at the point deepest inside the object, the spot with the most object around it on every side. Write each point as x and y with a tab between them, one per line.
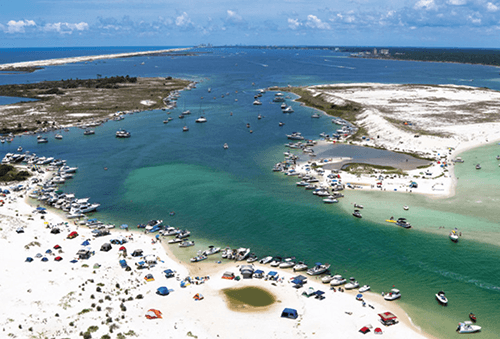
472	317
201	120
152	224
315	116
478	166
454	235
259	116
403	223
175	240
318	269
187	112
183	234
352	284
358	206
42	140
58	136
468	327
211	250
257	102
289	109
330	200
281	123
252	258
441	298
266	260
327	279
185	129
242	253
198	258
337	280
357	214
301	183
300	266
295	136
226	146
19	149
393	295
498	157
122	134
276	261
406	208
88	132
364	288
287	263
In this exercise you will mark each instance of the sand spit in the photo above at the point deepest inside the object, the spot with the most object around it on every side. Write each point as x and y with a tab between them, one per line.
61	299
62	61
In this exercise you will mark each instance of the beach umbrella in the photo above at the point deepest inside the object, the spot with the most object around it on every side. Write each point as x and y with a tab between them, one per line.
377	330
359	297
40	208
153	314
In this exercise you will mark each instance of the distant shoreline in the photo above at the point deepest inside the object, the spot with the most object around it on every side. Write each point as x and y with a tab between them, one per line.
22	66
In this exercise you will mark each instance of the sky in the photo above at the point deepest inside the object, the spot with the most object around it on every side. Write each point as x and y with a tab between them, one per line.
383	23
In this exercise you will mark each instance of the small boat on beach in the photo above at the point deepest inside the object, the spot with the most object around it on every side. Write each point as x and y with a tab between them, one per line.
287	263
318	269
276	261
252	258
364	288
393	295
176	240
352	284
478	166
198	258
468	327
358	206
454	235
337	280
211	250
300	266
441	298
266	260
357	214
187	243
403	223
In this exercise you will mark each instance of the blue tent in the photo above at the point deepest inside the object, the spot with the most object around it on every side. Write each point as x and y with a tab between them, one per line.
124	226
162	291
40	208
29	259
289	313
48	251
85	243
168	273
45	259
74	261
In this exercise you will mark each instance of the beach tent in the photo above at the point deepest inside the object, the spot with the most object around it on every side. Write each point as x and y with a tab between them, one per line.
185	283
29	259
83	254
378	330
169	273
38	255
198	296
149	277
272	275
20	230
162	291
44	259
85	243
153	314
137	253
388	318
319	295
49	251
364	330
55	230
289	313
58	258
258	274
309	292
122	249
72	235
57	247
228	275
106	247
359	297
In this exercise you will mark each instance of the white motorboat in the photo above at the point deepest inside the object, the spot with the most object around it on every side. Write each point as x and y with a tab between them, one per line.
88	132
406	208
170	231
357	214
19	149
441	298
468	327
289	109
364	288
252	258
276	261
242	253
185	129
301	183
183	234
454	235
187	112
300	266
393	295
287	263
257	102
318	269
201	119
152	224
175	240
315	116
266	260
226	146
42	140
330	200
211	250
338	280
295	136
284	105
327	279
186	243
198	258
122	134
352	284
358	206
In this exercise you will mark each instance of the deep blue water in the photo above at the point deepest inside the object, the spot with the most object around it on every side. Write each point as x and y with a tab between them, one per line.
230	197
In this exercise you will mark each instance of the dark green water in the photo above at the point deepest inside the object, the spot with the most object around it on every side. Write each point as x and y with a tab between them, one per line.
231	197
252	296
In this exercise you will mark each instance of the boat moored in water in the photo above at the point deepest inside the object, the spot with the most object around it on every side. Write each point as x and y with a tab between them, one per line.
441	298
318	269
468	327
393	295
454	235
357	214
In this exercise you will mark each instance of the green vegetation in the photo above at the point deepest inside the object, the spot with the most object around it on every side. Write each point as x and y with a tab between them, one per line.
360	168
10	173
85	310
250	296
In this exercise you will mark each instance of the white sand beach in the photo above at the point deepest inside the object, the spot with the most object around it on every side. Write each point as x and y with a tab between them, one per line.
62	61
60	299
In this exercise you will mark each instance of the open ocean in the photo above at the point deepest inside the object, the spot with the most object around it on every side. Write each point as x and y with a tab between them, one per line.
231	197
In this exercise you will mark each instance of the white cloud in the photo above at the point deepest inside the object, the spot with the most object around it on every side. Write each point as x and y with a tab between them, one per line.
18	26
294	23
233	16
425	4
314	22
457	2
474	20
183	20
65	27
491	7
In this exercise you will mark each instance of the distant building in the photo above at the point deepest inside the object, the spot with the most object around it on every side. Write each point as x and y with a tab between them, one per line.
384	51
374	51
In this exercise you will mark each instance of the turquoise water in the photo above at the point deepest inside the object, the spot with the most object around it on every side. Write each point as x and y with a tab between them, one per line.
231	197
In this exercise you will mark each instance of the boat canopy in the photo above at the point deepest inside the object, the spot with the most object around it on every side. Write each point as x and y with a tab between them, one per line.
386	316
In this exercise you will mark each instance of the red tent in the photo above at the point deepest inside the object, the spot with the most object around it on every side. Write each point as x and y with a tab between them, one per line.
58	258
153	314
388	318
378	330
56	247
364	330
72	235
122	248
